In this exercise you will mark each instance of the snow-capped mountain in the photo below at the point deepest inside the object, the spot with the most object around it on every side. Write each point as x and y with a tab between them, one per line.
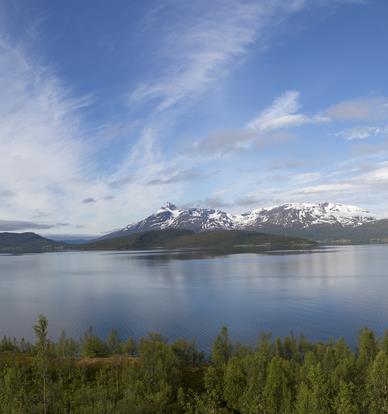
303	215
294	218
170	216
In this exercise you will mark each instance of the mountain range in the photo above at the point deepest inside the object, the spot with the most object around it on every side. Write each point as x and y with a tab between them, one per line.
173	227
324	222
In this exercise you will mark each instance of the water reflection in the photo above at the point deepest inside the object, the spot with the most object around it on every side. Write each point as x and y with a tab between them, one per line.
190	254
324	292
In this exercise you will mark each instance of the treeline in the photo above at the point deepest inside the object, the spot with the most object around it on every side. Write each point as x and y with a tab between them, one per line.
277	376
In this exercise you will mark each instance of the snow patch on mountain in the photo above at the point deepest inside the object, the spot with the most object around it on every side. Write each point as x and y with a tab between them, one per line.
303	215
292	216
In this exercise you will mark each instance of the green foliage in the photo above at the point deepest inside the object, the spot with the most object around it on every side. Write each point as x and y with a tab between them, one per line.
8	344
92	346
222	348
345	402
285	376
235	382
187	353
377	384
278	393
128	347
13	399
113	342
42	360
367	347
66	347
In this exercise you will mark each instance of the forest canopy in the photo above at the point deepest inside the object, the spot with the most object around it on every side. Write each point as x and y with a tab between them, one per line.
115	375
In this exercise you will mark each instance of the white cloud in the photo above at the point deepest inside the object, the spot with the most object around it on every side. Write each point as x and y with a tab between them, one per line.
261	131
226	143
40	149
362	109
327	188
305	178
283	113
49	163
358	186
369	185
362	132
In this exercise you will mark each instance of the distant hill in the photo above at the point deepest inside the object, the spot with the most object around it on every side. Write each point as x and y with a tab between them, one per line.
323	222
178	238
71	238
374	232
371	232
17	243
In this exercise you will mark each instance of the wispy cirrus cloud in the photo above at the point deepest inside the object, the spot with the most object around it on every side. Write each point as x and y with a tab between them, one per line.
366	109
208	40
196	52
226	143
362	132
223	143
216	201
50	163
18	225
205	43
168	177
193	53
364	188
271	127
284	113
41	153
374	179
361	109
48	160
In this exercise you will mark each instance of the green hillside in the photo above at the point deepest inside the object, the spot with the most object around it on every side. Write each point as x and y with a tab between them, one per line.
178	239
374	232
17	243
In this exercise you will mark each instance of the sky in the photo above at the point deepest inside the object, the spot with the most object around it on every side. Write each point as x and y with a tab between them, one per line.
110	109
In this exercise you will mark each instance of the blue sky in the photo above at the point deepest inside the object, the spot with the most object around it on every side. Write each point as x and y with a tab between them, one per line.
107	110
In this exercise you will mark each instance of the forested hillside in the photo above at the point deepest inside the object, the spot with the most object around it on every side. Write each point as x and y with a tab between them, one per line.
18	243
178	239
277	376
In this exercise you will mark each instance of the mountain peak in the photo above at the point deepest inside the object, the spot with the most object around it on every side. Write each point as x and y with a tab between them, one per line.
169	206
303	215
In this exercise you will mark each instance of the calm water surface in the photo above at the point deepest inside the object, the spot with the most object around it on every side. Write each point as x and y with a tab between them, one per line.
328	293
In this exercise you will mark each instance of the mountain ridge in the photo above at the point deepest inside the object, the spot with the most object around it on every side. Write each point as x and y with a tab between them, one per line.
317	221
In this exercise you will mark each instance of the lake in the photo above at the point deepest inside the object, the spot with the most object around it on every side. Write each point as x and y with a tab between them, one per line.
329	292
